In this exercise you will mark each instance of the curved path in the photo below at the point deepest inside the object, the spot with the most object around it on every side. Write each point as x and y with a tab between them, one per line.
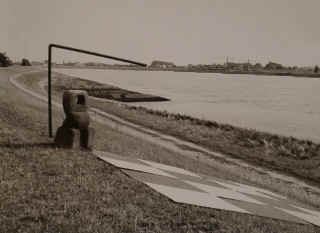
191	150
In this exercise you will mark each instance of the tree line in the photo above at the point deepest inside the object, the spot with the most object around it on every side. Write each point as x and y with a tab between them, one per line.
5	61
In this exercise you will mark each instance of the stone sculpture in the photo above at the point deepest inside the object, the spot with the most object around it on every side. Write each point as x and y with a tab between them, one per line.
75	131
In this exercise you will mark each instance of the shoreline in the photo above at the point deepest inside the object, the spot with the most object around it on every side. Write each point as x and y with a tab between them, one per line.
254	73
105	91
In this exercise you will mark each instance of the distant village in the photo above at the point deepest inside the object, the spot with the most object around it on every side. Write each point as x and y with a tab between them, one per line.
271	68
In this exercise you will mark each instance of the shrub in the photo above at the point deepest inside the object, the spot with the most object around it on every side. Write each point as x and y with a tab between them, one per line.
25	62
4	60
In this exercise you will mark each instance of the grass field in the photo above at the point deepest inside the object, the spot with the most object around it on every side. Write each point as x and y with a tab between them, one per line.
58	190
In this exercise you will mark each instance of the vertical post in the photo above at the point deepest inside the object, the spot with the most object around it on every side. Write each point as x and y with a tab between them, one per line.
49	93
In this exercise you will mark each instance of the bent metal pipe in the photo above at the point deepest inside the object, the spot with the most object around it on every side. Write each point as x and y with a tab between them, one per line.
79	51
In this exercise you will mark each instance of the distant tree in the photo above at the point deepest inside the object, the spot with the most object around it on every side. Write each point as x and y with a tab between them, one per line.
258	66
4	60
273	66
25	62
316	69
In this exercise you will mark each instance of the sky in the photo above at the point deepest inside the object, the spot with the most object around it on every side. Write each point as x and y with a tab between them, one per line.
180	31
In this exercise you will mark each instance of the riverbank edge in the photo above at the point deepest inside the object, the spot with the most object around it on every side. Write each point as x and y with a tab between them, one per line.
257	73
105	91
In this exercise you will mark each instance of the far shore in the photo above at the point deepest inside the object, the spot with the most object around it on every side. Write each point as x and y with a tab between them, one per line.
276	73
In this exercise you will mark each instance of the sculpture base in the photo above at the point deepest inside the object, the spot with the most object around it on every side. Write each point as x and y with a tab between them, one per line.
74	138
67	138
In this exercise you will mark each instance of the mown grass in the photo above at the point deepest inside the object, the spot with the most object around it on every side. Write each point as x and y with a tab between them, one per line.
55	190
287	154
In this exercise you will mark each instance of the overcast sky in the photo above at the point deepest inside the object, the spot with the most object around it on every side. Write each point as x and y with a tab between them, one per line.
181	31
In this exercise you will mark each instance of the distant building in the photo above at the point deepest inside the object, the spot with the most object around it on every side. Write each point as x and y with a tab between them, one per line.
238	66
162	64
246	66
36	63
273	66
70	63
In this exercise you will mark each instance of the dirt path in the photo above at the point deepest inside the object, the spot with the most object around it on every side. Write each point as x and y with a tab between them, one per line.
197	153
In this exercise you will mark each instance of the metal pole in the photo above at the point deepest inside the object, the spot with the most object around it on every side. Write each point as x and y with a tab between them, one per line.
97	54
79	51
49	93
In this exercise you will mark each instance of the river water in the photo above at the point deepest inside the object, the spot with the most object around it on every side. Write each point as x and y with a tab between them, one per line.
283	105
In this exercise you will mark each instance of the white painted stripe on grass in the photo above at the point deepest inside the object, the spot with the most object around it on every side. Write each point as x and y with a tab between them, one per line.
134	166
224	193
195	198
250	190
170	168
311	216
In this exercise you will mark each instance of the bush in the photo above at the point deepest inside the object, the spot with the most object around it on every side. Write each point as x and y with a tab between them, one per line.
25	62
4	60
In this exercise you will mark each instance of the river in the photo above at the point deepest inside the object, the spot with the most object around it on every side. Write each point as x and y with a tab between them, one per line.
283	105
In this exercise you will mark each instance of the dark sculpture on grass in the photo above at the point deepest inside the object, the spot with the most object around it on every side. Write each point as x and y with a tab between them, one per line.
75	131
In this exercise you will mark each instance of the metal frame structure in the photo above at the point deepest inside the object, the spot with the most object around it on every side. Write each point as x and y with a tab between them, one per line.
79	51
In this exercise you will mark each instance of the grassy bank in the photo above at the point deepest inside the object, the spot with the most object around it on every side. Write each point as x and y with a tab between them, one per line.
105	91
286	154
46	189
